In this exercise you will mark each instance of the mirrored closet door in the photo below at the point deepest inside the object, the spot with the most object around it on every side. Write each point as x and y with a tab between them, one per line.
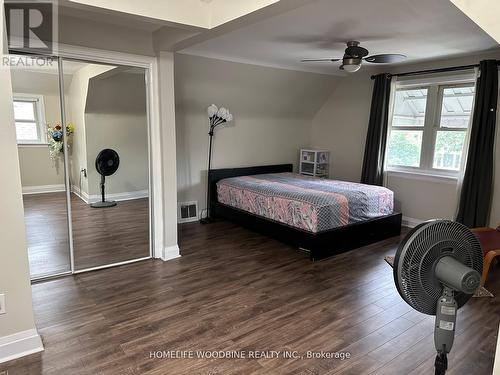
40	144
108	163
83	144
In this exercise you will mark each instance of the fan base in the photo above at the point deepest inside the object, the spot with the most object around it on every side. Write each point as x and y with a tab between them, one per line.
103	204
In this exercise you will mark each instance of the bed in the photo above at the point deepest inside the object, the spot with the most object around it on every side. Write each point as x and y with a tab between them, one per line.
324	217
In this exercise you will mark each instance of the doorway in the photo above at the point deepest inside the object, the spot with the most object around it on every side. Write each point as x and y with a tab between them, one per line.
67	114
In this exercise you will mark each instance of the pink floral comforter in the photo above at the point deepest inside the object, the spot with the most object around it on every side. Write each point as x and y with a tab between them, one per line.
308	203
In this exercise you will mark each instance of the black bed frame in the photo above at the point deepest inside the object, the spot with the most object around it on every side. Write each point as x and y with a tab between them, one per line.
320	245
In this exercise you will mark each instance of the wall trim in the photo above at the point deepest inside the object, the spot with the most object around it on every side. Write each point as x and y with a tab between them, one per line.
19	345
41	189
185	221
411	222
35	145
80	194
125	196
171	252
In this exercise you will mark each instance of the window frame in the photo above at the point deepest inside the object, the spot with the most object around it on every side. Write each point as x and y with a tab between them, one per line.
432	124
39	118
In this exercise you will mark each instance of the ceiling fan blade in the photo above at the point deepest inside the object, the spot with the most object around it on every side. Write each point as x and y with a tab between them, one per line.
385	58
319	60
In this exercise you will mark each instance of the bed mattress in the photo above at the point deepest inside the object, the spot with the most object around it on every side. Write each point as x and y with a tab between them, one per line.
303	202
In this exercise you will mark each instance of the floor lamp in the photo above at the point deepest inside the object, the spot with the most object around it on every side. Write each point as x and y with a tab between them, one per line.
216	117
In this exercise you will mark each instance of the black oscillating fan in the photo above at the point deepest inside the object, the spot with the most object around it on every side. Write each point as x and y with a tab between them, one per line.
437	270
106	163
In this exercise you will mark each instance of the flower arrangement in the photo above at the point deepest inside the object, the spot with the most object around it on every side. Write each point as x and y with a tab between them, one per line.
55	138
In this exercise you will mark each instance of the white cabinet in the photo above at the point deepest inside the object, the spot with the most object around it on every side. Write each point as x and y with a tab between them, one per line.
314	163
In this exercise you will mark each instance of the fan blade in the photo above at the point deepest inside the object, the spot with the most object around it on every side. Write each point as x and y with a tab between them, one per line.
385	58
319	60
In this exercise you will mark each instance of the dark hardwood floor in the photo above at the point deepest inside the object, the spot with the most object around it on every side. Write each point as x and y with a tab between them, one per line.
100	236
236	290
46	222
109	235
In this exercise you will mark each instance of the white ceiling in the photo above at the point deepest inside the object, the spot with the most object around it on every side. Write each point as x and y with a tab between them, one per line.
420	29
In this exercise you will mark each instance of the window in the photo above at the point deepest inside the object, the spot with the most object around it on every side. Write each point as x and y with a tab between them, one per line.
428	128
29	119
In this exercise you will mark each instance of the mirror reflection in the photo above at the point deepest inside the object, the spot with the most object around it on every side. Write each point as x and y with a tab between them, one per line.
108	163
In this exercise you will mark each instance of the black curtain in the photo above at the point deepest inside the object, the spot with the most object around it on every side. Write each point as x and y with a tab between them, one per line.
373	161
475	198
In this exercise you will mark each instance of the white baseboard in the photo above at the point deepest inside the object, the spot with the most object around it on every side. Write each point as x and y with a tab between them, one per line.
41	189
170	252
189	220
125	196
80	194
20	344
411	222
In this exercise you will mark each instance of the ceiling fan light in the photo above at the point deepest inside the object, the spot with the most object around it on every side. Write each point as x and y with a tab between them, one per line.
351	64
351	68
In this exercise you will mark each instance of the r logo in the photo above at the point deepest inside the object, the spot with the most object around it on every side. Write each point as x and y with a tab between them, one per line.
30	26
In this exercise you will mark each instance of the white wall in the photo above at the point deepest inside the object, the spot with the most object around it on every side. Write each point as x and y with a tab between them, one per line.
341	126
423	199
14	271
116	118
272	112
76	101
37	168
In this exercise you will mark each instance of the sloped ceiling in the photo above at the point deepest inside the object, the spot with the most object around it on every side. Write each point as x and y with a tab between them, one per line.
422	30
485	13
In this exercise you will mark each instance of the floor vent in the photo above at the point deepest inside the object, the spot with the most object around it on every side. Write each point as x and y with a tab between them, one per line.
188	211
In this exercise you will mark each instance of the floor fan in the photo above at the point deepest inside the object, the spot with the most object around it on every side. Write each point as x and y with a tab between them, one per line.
106	164
437	270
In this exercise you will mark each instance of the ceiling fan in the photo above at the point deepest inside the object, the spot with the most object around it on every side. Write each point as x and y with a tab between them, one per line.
354	56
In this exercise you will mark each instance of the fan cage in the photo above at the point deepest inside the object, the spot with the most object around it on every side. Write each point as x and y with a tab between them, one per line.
418	254
107	162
